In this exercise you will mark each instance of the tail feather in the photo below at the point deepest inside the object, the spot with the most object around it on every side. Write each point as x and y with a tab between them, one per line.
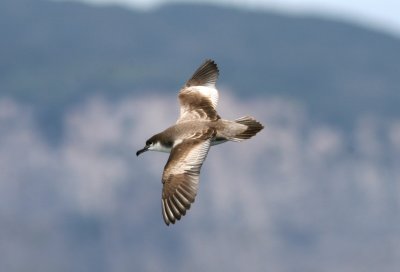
253	127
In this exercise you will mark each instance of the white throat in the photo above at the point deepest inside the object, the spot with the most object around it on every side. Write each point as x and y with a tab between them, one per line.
160	148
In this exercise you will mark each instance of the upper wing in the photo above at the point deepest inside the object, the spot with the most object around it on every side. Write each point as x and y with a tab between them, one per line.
199	97
181	175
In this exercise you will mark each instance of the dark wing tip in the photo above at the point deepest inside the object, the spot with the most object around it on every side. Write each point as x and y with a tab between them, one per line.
205	75
175	206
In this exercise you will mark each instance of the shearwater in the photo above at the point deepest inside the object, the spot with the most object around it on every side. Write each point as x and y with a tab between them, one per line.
198	128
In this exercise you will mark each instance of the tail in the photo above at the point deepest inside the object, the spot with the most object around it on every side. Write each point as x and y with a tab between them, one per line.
253	127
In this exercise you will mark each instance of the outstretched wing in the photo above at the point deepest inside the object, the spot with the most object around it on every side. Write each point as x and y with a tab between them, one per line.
181	175
199	97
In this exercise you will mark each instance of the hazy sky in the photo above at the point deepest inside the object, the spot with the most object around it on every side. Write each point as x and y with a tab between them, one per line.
380	14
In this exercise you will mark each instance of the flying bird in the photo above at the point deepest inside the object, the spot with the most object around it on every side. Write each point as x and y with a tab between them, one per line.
188	141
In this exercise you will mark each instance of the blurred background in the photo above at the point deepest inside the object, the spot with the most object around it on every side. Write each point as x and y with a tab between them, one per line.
84	84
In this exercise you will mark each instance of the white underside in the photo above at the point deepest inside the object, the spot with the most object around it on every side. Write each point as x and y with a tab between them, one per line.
209	92
160	148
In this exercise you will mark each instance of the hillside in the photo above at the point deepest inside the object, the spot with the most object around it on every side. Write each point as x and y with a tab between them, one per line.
316	190
57	53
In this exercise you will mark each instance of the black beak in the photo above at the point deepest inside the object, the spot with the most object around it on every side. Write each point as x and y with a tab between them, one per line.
142	150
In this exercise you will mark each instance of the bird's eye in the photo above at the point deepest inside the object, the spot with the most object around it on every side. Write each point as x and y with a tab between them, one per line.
148	143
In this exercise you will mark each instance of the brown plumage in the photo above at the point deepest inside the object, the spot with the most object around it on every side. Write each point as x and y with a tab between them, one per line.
188	141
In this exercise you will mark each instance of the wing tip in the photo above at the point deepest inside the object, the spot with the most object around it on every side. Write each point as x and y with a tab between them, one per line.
172	212
206	75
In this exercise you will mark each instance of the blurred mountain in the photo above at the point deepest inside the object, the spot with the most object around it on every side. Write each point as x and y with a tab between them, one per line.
294	198
54	54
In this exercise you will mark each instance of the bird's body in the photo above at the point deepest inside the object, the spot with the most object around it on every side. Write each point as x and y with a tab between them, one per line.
224	131
189	140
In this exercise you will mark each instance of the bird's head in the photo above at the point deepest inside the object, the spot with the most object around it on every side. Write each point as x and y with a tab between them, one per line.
149	144
158	142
